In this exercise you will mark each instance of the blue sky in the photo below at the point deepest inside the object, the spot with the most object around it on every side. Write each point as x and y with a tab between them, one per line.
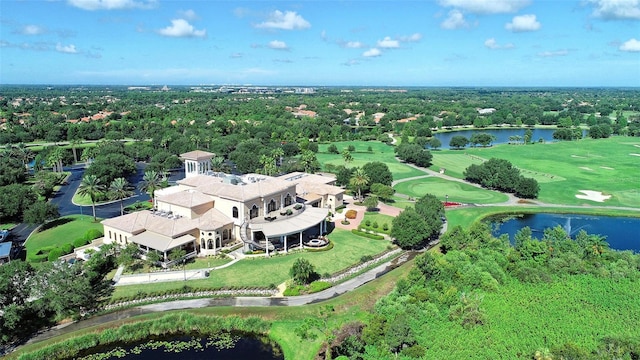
324	43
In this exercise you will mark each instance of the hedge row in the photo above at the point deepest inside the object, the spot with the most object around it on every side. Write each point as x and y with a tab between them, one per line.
367	235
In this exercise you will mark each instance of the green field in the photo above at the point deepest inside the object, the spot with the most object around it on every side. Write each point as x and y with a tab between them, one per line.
456	191
523	318
380	152
71	228
260	272
565	168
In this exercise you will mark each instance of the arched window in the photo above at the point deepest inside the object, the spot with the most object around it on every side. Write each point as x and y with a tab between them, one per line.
209	244
253	213
271	206
202	243
235	212
288	200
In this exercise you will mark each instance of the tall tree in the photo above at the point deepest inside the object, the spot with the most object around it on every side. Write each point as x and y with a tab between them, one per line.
358	181
91	186
347	157
151	181
120	189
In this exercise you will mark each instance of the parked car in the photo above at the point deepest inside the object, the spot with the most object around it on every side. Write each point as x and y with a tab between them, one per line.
4	235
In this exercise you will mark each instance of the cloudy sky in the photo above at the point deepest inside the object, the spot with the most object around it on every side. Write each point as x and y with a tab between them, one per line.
357	42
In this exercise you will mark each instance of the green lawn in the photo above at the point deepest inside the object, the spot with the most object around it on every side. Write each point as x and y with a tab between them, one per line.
65	230
458	192
347	251
565	168
7	226
381	219
380	152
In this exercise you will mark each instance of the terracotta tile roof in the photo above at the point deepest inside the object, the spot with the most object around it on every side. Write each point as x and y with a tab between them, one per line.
188	198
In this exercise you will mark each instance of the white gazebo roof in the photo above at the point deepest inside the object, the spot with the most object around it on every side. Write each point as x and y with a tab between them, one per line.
160	242
311	216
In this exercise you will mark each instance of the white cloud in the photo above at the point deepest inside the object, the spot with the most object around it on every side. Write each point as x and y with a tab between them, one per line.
32	30
112	4
411	38
373	52
67	49
289	20
493	45
616	9
278	45
354	45
188	14
181	28
486	6
455	20
351	62
388	43
522	23
631	45
553	53
236	55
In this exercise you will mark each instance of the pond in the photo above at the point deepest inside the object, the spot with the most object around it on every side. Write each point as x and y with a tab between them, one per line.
622	233
226	347
502	135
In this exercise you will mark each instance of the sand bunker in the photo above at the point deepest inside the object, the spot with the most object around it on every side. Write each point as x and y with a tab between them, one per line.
585	168
577	156
634	154
606	167
636	145
597	196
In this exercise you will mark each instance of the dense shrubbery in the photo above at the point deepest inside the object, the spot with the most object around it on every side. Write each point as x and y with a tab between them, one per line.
500	174
351	214
481	281
367	235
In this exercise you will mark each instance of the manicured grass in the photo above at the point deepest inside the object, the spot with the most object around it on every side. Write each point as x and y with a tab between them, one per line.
7	226
458	192
347	251
606	165
381	152
381	219
70	228
453	161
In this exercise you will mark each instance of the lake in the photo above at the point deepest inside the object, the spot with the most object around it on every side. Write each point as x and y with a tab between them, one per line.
502	135
622	233
229	347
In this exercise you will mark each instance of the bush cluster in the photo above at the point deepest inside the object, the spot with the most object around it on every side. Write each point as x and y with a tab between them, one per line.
367	235
351	214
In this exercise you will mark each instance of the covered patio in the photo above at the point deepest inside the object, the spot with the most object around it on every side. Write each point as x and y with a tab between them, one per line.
150	241
289	230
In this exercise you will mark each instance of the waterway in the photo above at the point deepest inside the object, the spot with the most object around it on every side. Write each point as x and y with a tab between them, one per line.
228	347
502	135
622	233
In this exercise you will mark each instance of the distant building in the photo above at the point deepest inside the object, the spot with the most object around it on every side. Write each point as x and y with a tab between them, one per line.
206	211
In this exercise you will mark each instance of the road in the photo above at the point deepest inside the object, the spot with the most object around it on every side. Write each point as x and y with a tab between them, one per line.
327	294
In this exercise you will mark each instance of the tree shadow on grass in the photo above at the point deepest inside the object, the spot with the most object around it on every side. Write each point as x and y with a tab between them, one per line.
54	223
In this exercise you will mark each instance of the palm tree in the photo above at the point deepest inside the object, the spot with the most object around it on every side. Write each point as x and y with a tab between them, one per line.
217	163
120	189
90	186
151	181
24	154
74	146
359	180
346	155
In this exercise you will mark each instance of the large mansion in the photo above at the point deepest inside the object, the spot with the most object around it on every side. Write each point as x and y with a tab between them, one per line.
207	210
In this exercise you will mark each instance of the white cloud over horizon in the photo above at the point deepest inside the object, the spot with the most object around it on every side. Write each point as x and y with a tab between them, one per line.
523	23
289	20
455	20
278	45
373	52
93	5
556	53
181	28
631	45
486	6
388	43
492	44
616	9
66	49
